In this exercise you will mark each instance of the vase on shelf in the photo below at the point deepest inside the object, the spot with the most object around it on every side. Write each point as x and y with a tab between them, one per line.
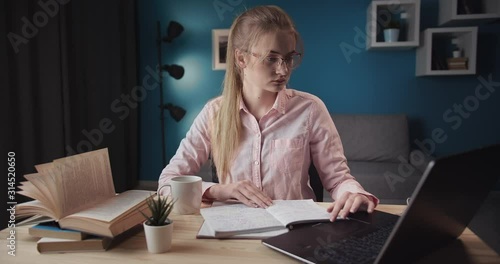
391	31
391	34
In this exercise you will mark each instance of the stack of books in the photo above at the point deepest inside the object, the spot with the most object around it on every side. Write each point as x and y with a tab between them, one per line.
54	239
78	193
457	63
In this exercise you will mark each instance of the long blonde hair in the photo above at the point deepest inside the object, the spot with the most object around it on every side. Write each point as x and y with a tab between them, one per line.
244	33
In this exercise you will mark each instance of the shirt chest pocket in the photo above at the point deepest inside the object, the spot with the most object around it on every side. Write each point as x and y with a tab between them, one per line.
288	155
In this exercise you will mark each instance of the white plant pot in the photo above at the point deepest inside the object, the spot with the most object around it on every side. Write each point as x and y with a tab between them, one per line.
456	54
158	238
391	35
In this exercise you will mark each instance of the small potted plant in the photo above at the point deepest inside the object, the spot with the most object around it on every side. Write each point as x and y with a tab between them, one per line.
158	227
456	53
391	31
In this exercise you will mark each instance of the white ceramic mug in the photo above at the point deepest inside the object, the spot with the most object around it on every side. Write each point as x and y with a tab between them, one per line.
186	192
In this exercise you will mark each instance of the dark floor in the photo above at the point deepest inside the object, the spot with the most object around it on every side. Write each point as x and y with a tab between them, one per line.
486	223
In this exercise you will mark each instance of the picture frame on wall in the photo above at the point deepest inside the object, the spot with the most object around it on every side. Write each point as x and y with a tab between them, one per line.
219	48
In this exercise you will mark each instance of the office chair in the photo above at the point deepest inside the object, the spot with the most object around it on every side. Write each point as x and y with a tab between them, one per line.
315	183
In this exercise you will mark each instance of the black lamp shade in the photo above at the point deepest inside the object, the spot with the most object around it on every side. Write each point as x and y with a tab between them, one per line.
174	30
174	70
176	112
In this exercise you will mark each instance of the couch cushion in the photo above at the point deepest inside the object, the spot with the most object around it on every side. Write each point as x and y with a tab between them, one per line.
392	183
373	137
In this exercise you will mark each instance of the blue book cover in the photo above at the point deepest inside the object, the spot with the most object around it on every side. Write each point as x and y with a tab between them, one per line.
52	229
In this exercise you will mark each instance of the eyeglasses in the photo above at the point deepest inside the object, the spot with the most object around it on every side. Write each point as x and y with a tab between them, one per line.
292	61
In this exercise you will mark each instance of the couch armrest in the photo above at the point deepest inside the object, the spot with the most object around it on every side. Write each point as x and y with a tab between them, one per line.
420	159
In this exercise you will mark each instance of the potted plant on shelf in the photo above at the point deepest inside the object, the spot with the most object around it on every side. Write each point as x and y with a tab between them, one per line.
456	53
158	227
391	31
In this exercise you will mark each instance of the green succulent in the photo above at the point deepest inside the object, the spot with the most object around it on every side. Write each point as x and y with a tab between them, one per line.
160	210
393	24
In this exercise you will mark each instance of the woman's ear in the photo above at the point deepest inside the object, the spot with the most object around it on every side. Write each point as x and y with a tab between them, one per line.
240	58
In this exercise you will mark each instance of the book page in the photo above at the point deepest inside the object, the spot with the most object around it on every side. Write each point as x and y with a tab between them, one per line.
86	180
207	232
233	219
33	208
48	184
30	190
297	211
44	187
44	167
114	207
36	219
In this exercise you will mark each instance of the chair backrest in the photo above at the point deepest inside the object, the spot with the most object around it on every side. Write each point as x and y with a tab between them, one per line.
380	138
315	182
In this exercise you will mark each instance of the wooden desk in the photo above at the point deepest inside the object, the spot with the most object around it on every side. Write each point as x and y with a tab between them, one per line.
187	249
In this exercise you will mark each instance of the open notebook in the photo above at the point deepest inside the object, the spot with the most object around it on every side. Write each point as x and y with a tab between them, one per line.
241	221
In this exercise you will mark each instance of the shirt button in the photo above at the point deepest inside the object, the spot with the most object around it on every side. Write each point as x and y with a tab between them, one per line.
256	163
258	135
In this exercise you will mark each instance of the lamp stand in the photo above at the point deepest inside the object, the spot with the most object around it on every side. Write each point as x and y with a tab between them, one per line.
162	114
176	72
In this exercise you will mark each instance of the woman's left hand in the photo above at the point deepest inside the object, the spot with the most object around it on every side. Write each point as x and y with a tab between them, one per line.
350	203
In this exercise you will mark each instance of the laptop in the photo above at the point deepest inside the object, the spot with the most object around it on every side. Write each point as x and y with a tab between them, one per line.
446	199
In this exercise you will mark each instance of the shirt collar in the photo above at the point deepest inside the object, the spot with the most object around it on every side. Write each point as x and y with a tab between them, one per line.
281	99
279	105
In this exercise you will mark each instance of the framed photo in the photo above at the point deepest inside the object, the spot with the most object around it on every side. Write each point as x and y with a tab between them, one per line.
219	48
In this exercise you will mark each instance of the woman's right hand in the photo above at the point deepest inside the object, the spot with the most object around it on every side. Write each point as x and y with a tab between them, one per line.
243	191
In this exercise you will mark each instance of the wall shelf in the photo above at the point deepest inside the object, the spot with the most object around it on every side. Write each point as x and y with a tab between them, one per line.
431	57
458	13
380	12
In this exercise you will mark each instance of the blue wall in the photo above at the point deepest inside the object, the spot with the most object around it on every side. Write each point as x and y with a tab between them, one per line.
365	82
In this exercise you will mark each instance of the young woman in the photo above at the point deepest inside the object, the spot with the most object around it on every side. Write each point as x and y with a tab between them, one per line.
262	135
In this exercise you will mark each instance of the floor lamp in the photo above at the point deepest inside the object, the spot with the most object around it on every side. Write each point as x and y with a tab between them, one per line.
177	113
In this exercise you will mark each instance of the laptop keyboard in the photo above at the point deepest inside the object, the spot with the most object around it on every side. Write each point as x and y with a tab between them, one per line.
357	248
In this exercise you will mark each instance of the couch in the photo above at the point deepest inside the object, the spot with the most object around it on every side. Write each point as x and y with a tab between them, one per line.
377	148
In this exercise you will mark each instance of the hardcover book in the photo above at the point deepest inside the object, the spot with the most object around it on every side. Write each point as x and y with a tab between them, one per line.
60	245
457	63
52	229
78	193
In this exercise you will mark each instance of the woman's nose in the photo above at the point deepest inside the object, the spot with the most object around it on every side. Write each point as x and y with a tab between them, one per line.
282	68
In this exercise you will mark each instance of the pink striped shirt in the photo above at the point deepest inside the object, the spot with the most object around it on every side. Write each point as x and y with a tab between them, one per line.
275	152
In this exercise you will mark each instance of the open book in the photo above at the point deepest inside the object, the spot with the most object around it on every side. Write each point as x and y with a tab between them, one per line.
236	220
78	192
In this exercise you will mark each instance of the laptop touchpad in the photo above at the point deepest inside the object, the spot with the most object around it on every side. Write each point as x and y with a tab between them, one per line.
340	229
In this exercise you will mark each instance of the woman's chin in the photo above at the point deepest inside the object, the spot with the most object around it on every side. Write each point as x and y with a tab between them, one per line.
277	88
